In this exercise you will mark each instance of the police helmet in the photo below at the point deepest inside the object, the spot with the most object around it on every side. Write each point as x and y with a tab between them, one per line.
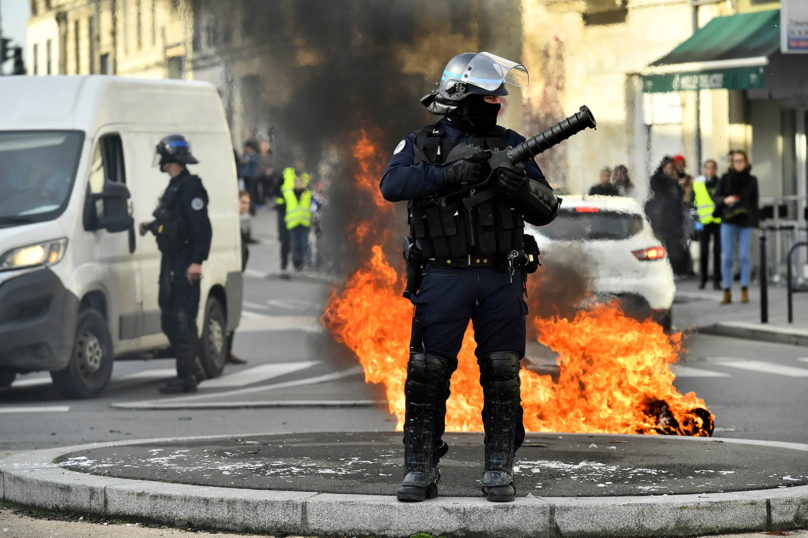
474	73
174	149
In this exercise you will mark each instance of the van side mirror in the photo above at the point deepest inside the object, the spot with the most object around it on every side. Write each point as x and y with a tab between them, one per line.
109	209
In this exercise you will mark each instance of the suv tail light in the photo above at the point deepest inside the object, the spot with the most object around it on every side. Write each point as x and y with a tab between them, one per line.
650	254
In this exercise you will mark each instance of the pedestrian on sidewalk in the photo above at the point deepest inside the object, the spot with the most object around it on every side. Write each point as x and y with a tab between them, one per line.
250	170
244	209
704	188
664	210
298	214
688	207
288	184
605	187
266	167
736	201
622	181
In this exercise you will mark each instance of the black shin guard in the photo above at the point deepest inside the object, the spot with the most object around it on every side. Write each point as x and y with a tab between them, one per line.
499	376
427	376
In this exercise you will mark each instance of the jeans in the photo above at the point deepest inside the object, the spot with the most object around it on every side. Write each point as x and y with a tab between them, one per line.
300	244
729	233
283	236
712	230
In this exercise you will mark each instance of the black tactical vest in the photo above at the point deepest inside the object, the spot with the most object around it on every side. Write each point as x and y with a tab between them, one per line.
444	226
169	227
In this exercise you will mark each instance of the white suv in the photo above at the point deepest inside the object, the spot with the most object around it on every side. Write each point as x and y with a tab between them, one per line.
611	240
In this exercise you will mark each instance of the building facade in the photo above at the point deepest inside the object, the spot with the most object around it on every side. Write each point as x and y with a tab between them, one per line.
139	38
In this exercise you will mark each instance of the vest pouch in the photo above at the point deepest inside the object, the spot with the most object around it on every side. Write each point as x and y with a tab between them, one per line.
504	220
486	235
436	232
168	237
517	233
532	251
420	231
455	226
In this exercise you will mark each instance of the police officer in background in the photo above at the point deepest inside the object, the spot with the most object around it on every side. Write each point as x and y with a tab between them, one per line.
469	231
183	231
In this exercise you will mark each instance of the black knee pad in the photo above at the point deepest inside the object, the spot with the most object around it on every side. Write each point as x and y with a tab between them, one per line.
499	374
427	377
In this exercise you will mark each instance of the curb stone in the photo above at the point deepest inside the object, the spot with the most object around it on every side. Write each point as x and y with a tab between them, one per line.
31	479
756	331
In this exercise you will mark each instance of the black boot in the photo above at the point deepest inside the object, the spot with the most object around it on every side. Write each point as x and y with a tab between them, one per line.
426	377
179	385
499	376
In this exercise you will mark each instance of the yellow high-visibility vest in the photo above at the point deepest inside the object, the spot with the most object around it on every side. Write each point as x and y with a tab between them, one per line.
704	203
298	211
289	177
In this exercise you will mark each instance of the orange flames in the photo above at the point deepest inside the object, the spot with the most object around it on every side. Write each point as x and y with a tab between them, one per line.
614	374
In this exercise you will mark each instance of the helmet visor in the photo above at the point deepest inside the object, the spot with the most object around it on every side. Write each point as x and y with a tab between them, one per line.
488	71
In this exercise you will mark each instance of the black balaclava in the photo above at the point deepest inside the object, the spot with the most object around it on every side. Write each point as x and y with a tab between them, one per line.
474	114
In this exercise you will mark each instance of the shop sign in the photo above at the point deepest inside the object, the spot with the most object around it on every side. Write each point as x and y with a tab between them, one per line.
742	78
794	26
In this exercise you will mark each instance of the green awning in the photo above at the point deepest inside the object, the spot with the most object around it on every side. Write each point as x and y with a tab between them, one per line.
728	53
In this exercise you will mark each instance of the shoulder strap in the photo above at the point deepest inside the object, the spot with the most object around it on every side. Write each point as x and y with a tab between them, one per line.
433	130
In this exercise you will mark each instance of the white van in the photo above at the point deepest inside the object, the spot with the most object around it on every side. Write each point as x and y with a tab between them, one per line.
78	286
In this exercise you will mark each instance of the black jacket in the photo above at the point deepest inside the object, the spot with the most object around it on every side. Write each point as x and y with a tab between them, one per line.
664	208
609	190
745	185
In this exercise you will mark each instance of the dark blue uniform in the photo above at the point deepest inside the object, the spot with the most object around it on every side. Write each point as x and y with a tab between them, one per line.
186	212
449	297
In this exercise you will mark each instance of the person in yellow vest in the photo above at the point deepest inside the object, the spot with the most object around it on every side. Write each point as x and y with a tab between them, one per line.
297	199
704	190
287	182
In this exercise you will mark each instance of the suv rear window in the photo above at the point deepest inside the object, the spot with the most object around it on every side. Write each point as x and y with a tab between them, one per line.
570	225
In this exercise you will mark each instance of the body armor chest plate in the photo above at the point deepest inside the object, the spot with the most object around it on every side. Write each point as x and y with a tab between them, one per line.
443	227
169	228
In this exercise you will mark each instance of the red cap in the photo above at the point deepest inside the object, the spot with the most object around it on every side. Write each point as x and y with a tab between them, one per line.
678	158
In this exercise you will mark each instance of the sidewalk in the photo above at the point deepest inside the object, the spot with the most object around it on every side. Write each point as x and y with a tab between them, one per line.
701	310
338	484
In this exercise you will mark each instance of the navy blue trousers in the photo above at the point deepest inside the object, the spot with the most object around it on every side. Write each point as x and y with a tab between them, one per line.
494	303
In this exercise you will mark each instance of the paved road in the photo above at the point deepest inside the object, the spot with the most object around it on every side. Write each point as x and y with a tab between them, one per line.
756	390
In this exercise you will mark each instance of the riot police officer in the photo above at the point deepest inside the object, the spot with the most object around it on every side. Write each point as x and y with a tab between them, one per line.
468	228
183	231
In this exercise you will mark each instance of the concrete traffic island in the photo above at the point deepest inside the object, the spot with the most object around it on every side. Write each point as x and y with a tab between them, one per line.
336	484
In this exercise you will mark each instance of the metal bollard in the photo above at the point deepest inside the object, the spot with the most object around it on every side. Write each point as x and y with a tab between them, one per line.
764	280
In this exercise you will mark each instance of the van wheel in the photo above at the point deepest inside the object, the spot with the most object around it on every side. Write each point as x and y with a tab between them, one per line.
7	378
213	345
90	366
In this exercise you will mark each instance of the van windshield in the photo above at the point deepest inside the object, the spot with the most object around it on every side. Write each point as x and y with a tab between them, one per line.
37	169
591	224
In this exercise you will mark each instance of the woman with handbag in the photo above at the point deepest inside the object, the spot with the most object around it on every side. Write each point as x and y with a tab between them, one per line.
736	203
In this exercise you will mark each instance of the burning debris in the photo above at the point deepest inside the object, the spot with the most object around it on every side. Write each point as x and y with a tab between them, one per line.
614	371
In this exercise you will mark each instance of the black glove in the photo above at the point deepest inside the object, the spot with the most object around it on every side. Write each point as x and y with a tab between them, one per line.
515	183
468	171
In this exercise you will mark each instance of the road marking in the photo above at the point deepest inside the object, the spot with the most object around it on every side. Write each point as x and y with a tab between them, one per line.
687	371
768	368
256	374
36	382
804	359
260	323
246	314
258	306
178	403
258	404
149	374
290	304
43	409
